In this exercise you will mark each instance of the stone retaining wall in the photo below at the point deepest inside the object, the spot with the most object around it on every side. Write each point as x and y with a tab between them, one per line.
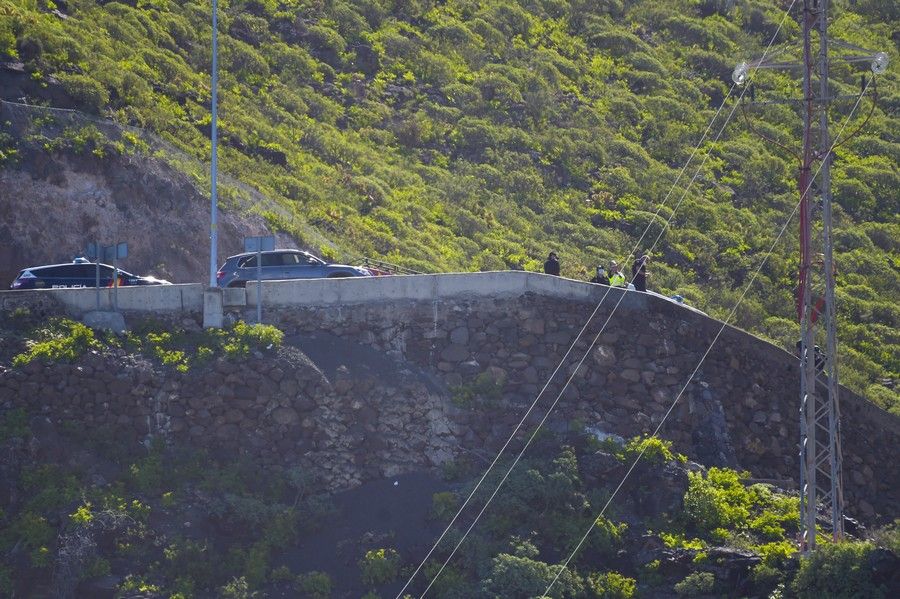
740	410
420	382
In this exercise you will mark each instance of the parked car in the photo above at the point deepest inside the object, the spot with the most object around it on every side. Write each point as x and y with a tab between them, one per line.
282	264
79	273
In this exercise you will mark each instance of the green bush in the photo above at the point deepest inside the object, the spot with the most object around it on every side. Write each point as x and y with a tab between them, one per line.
379	566
513	576
314	585
611	585
717	500
837	571
443	505
696	583
61	339
84	90
237	588
655	450
606	537
887	536
484	387
14	423
243	337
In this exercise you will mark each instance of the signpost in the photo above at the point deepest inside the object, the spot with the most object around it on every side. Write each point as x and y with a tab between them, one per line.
110	253
93	253
260	244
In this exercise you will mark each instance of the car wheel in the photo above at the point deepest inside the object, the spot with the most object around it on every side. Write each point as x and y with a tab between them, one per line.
239	284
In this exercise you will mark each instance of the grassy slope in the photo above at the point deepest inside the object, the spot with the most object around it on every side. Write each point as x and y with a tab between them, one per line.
479	134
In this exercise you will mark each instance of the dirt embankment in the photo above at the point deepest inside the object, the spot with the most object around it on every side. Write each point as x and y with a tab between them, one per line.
52	205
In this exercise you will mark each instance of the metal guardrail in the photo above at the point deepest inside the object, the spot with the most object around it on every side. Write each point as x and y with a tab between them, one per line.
380	267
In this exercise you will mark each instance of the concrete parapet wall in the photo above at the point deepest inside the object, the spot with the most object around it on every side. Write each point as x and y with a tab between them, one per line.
77	302
370	290
188	298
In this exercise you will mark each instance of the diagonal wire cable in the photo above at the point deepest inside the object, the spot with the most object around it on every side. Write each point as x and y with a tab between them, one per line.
574	371
564	358
577	339
587	352
568	352
765	259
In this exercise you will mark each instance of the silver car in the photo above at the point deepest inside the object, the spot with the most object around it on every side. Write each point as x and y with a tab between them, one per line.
282	264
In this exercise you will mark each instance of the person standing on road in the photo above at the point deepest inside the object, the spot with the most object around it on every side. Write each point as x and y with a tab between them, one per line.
601	277
616	276
551	266
639	272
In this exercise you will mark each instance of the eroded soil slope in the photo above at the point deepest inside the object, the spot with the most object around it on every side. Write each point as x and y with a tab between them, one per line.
52	205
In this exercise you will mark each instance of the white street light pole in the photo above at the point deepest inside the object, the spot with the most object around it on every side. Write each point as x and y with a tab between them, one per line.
214	211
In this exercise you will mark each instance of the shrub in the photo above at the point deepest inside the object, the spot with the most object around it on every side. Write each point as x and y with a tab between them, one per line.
314	585
281	574
14	423
607	536
61	339
717	500
238	588
889	536
676	540
148	473
513	576
611	585
87	92
443	505
379	566
696	583
244	337
837	571
485	386
655	450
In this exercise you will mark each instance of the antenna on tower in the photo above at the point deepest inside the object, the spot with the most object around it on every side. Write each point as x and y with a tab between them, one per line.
821	476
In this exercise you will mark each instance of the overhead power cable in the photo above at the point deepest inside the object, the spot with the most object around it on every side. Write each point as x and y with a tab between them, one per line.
568	352
559	366
574	371
737	305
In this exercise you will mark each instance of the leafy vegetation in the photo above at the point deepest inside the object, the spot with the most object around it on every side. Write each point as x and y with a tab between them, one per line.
839	570
720	507
67	526
64	339
611	585
60	339
182	349
246	522
478	134
379	566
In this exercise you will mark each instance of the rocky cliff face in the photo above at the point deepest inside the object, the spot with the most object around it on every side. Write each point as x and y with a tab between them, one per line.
55	204
56	197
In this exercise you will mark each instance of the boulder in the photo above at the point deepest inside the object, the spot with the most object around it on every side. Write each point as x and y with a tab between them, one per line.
285	416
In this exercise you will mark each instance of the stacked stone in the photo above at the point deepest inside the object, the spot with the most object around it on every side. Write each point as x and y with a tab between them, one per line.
739	409
278	408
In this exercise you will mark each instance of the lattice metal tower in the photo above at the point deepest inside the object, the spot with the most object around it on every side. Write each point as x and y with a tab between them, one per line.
821	468
821	476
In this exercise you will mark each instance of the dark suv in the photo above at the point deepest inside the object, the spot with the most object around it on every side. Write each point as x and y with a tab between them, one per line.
282	264
80	273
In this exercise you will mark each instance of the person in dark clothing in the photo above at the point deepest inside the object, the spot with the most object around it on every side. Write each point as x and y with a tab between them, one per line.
818	356
639	273
551	266
601	276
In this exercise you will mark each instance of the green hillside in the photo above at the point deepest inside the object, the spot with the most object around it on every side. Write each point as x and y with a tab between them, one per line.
479	134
